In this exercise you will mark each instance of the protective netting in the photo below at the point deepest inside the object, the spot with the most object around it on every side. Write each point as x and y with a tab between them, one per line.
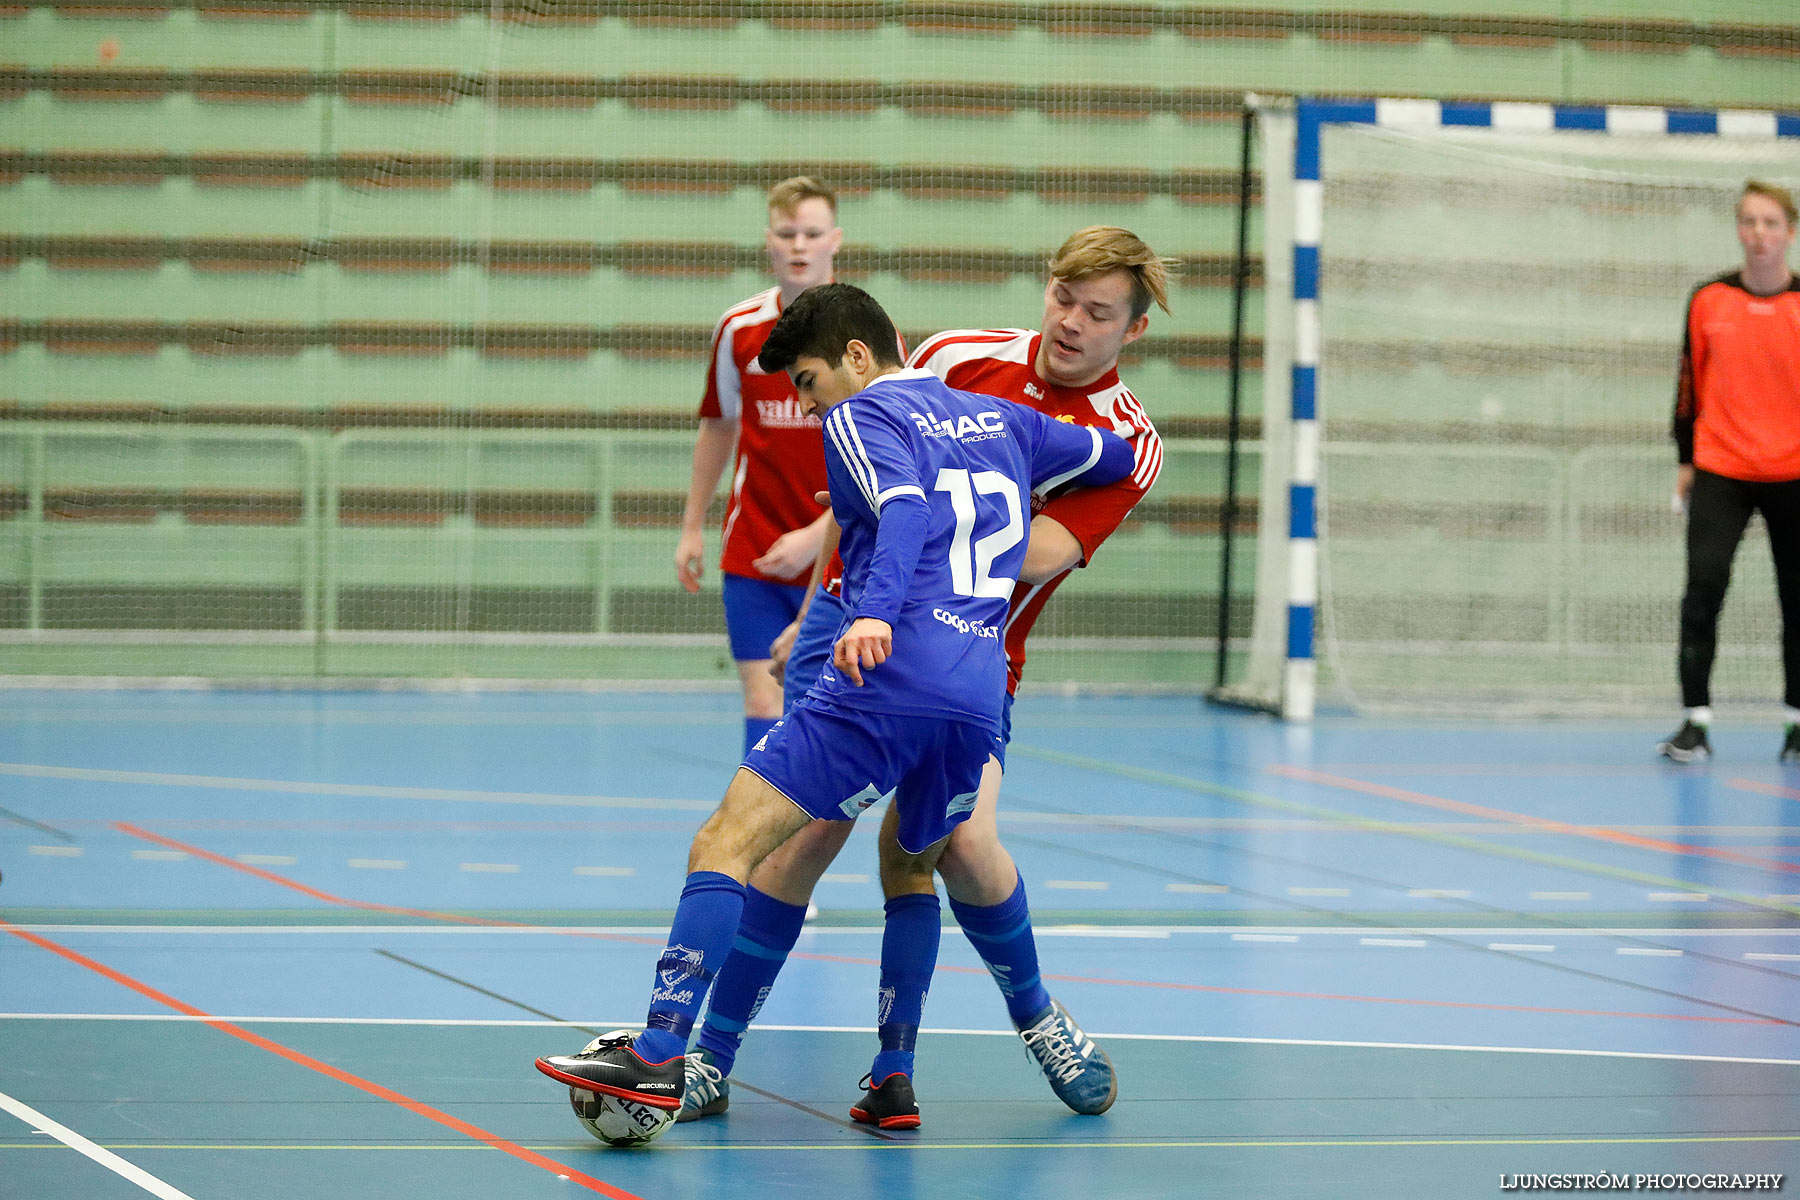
1502	315
354	338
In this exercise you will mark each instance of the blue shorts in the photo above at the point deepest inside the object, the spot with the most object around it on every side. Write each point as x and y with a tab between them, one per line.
834	761
756	611
812	649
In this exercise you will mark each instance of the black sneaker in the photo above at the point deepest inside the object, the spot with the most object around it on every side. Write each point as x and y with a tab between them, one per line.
890	1106
609	1064
1790	745
1688	744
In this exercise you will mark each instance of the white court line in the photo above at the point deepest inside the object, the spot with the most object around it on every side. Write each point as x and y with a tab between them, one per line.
291	787
104	1157
626	1022
378	864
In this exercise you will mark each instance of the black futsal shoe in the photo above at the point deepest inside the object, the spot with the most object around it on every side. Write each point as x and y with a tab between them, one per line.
890	1106
1687	744
1790	745
610	1065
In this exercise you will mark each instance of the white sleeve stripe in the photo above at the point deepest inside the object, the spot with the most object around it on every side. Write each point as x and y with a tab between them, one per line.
900	489
1093	457
862	457
860	470
725	375
1149	463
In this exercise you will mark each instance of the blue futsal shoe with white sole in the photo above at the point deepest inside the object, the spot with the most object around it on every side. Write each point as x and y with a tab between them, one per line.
705	1092
1078	1070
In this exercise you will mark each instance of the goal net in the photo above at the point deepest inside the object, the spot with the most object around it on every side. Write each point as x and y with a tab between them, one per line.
1498	314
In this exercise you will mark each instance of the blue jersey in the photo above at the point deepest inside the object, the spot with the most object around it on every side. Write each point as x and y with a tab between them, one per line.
932	488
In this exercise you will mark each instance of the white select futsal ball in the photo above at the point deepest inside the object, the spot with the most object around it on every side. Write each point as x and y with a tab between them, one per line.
613	1120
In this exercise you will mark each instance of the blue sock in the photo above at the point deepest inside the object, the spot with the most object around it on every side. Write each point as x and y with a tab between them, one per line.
765	936
705	922
909	949
754	728
1001	934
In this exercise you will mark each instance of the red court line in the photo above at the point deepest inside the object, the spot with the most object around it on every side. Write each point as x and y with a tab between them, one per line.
324	1068
1767	789
1545	824
852	960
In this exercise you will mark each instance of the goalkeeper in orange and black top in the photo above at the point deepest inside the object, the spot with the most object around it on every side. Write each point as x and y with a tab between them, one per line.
1737	432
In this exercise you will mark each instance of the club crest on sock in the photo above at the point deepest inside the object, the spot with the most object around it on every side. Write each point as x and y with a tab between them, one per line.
674	971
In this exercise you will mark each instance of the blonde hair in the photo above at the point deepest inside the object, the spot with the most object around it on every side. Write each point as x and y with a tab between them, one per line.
789	194
1099	249
1780	195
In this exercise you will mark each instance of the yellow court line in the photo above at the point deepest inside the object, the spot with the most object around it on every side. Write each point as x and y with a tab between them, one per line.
1220	1144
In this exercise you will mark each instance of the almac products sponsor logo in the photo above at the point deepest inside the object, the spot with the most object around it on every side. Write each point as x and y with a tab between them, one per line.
966	428
1674	1181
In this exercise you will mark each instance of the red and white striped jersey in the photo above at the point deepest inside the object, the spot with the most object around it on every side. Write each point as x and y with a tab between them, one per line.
999	362
780	449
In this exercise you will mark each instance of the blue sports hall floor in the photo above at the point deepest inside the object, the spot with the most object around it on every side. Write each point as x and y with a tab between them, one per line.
294	944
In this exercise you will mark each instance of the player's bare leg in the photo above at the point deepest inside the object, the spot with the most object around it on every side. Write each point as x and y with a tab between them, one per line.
975	867
987	895
762	697
792	872
750	823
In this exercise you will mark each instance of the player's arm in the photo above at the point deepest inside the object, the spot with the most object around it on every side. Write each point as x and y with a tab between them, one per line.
782	648
1687	406
1065	455
712	450
1069	527
794	550
1051	550
869	462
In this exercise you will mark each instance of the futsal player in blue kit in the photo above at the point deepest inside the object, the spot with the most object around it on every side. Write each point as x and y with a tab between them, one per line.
932	489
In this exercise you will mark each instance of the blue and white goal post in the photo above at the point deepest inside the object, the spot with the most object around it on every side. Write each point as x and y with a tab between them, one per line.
1472	321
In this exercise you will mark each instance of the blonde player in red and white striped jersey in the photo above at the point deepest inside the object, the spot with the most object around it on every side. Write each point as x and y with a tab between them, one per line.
1102	283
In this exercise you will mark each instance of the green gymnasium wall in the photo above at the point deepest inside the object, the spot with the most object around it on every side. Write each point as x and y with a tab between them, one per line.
363	339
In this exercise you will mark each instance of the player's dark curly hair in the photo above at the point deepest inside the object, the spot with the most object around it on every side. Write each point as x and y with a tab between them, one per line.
823	321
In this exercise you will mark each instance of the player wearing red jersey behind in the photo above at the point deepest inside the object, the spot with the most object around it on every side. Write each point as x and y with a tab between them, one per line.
1737	434
1103	281
773	525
